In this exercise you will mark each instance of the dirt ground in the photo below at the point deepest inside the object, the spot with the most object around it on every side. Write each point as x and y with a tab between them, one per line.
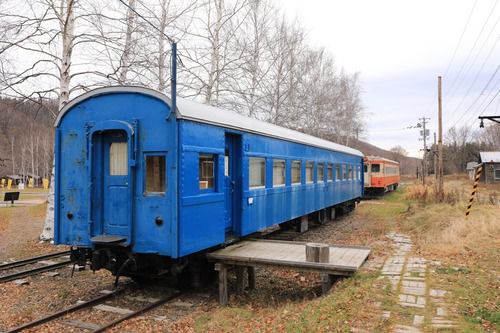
286	301
20	227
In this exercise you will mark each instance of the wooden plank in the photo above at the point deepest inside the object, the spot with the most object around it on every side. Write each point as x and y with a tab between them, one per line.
222	269
292	254
251	277
240	279
303	243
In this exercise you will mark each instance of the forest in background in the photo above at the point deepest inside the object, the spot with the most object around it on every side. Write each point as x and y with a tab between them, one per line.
242	55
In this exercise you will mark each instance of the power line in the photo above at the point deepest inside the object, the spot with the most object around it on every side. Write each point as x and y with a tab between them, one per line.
486	107
477	75
472	49
479	96
147	21
461	37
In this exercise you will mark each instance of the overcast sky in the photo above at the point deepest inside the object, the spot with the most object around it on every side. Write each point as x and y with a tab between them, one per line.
400	47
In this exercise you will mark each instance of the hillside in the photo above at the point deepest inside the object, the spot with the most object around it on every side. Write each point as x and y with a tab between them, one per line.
29	129
408	164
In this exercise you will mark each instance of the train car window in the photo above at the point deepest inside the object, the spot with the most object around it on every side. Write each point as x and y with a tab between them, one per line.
155	174
321	173
118	159
309	172
296	172
329	173
278	172
359	173
497	173
227	172
206	167
366	168
257	172
344	172
350	174
337	172
375	167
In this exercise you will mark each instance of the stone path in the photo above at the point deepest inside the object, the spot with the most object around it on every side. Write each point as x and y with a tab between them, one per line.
409	277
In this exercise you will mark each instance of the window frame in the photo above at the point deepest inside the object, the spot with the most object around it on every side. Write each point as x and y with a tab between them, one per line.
320	175
329	172
495	173
299	162
214	170
144	189
284	172
310	164
111	166
338	172
250	187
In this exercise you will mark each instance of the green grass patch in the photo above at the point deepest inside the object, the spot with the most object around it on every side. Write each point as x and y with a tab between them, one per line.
346	306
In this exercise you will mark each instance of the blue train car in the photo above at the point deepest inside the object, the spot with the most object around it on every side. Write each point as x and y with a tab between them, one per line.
140	187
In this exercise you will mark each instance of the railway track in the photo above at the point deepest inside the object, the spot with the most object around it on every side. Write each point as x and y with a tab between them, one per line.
95	328
47	266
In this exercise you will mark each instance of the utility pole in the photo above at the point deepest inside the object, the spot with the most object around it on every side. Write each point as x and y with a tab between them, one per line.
424	133
440	143
434	154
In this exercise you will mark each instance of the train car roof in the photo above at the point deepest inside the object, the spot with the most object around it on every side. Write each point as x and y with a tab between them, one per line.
378	158
190	110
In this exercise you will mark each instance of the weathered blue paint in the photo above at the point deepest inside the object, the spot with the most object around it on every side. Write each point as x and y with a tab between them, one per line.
194	219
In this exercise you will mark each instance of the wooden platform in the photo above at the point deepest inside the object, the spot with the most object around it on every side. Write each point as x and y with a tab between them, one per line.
343	261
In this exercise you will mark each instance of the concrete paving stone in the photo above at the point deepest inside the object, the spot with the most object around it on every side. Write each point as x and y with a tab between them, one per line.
412	305
413	290
406	329
439	301
407	276
441	312
53	274
413	283
418	320
438	322
412	301
105	292
437	293
386	314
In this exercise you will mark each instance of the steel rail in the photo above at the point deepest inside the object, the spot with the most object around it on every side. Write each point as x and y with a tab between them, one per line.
27	261
66	311
33	271
138	312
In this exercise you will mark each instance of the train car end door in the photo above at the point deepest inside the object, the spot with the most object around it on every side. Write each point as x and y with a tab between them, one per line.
111	187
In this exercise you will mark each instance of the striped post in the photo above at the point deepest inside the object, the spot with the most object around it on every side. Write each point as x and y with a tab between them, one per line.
479	169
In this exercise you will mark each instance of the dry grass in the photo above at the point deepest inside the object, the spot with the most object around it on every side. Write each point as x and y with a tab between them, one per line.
444	229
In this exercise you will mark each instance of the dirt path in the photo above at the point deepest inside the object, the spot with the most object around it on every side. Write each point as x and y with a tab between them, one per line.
21	225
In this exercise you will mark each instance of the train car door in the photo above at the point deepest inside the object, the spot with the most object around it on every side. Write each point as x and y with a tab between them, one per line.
111	186
232	183
367	174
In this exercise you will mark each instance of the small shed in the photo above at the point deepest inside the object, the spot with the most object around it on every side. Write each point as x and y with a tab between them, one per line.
491	167
471	169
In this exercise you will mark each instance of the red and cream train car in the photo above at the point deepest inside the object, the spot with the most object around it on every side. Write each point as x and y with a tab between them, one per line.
381	175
